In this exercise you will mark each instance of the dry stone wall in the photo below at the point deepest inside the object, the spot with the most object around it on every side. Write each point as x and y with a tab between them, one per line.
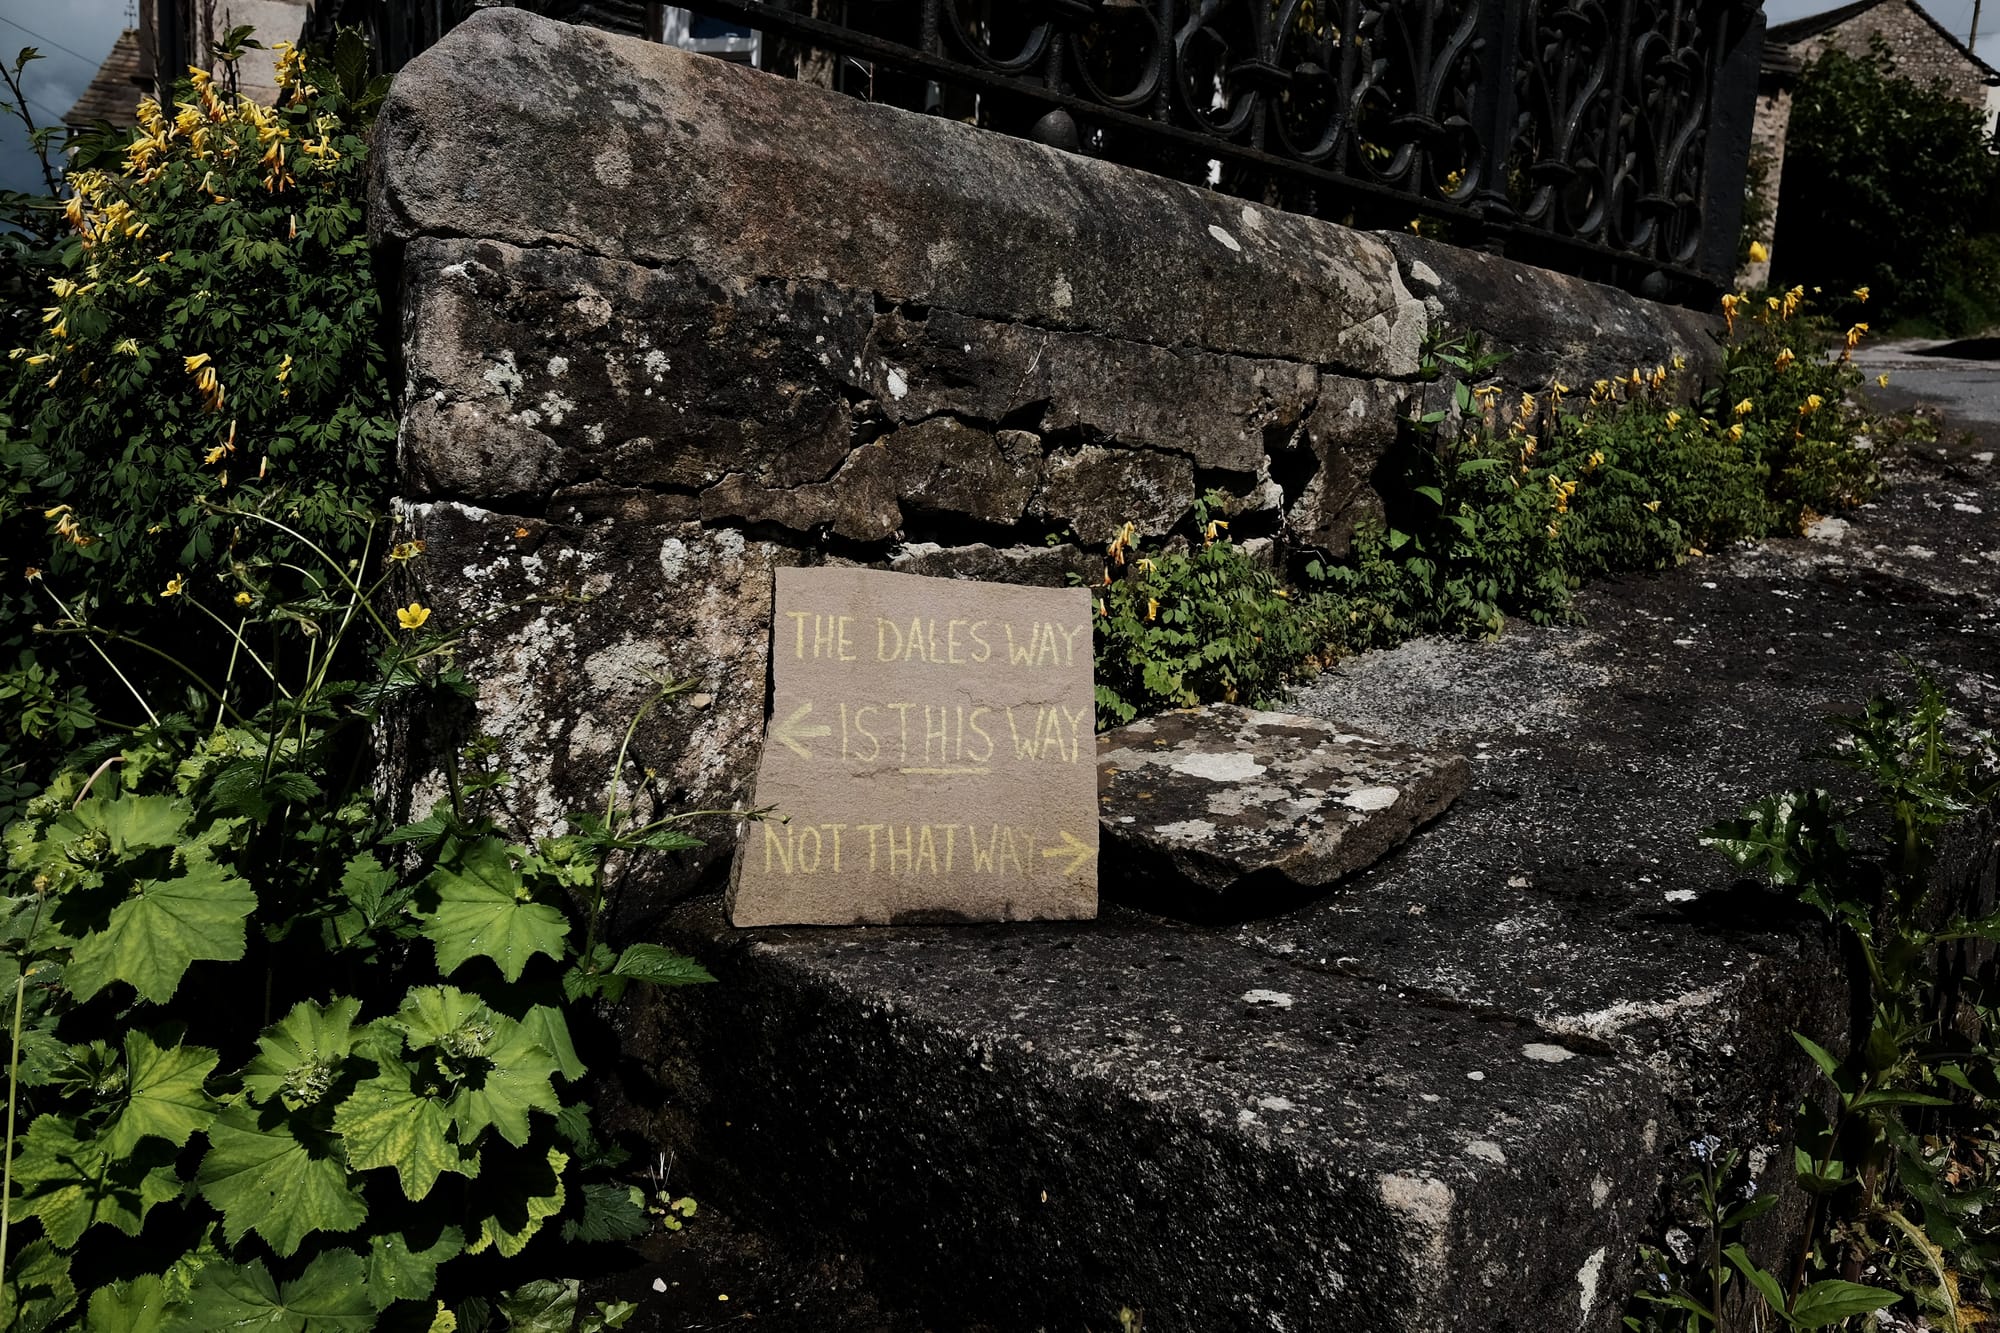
671	324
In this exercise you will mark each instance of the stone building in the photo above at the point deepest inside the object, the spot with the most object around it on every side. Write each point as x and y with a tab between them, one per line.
1924	50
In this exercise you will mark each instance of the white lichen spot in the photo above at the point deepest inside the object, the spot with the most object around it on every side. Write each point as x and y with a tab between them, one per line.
1486	1151
1370	798
1235	766
1547	1052
657	364
555	407
594	434
1230	242
673	558
503	374
1186	830
1275	999
1588	1277
1600	1191
1427	1202
1680	895
1276	1104
1475	1075
898	386
1968	509
1920	552
1061	296
558	366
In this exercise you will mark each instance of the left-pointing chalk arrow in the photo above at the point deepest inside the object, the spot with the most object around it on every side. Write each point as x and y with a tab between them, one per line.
789	732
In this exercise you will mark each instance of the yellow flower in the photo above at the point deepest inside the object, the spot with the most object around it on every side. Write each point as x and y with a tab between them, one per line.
1653	505
1553	530
174	586
1694	550
1812	404
38	358
214	456
1784	359
285	369
195	362
1771	301
1214	525
31	573
243	599
402	551
1854	336
412	616
1730	300
1883	379
1735	433
1152	608
1673	420
1760	253
1595	461
1745	408
128	346
57	512
1861	295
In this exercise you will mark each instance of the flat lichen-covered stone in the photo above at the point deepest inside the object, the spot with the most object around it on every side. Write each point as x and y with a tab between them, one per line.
1233	800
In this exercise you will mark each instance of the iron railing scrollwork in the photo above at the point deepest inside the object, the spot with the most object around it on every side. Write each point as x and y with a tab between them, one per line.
1606	138
1603	137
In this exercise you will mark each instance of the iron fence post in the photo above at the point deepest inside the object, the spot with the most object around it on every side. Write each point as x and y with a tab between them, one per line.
1495	113
1732	115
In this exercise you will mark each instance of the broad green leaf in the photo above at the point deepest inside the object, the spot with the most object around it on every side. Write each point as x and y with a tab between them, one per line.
163	927
297	1056
327	1298
500	1071
38	1290
660	967
165	1097
263	1178
1820	1055
541	1306
1765	1284
548	1029
398	1272
385	1122
512	1205
135	823
1831	1301
483	911
1891	1097
138	1306
610	1212
365	883
73	1184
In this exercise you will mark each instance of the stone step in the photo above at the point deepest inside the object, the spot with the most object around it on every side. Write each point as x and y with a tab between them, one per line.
1450	1094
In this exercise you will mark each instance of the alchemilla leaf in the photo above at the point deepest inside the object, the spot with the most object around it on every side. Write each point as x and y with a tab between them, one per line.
386	1122
266	1179
484	911
164	926
297	1057
165	1098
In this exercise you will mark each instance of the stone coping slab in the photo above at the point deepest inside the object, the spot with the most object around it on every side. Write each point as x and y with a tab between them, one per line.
1239	805
1449	1095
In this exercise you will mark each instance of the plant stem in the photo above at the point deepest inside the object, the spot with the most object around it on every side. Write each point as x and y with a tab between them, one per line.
13	1084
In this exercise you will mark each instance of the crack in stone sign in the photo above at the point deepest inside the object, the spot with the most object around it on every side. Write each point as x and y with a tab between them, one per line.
929	756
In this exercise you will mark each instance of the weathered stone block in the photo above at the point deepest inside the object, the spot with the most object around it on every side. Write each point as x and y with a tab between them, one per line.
530	368
1246	807
1353	423
525	130
1094	491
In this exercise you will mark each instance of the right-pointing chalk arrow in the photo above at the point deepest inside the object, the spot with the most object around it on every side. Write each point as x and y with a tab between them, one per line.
789	733
1074	848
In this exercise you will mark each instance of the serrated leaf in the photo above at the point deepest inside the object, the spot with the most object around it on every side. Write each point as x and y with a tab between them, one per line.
166	925
264	1178
385	1122
134	824
1831	1301
481	913
397	1271
38	1290
72	1184
541	1306
297	1056
513	1204
365	883
609	1213
327	1298
138	1306
548	1029
165	1097
660	967
502	1072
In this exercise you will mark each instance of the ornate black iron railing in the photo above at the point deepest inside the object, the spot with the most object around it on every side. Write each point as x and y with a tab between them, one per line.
1607	138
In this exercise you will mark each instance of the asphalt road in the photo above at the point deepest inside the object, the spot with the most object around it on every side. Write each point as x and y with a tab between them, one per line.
1964	389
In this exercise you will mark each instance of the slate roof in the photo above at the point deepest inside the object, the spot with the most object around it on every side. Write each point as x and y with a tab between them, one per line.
113	93
1812	25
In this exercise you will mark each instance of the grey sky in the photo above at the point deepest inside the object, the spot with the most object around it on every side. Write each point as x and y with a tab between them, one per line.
75	35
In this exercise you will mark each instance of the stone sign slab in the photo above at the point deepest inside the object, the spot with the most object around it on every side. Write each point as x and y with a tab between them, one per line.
930	755
1226	810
